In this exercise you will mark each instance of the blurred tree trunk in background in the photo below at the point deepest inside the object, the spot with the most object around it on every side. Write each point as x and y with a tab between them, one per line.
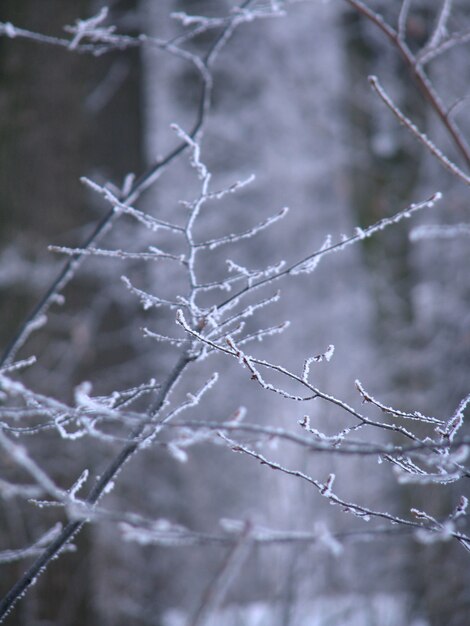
276	113
292	106
421	289
61	117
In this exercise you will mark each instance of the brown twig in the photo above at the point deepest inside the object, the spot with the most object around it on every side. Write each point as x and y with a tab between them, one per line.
419	75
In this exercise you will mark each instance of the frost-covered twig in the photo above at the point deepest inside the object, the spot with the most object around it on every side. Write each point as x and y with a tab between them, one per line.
456	421
416	415
314	392
219	328
19	365
91	29
10	490
19	455
427	525
9	556
403	19
416	69
433	149
153	255
139	185
101	484
440	29
211	244
149	221
456	39
266	435
164	533
325	489
308	263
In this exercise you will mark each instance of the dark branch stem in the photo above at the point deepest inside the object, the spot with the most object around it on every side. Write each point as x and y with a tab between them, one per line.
67	272
74	526
418	74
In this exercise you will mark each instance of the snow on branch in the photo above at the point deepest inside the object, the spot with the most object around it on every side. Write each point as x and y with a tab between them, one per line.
455	423
212	325
309	263
19	455
336	444
230	348
325	356
221	326
11	490
154	255
198	20
211	244
18	365
195	151
440	31
149	221
234	351
325	489
427	55
416	415
148	300
91	29
10	556
433	149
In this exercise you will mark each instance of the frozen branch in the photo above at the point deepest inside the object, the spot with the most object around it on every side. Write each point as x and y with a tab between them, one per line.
440	156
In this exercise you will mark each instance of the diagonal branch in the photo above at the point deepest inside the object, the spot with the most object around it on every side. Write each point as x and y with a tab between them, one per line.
419	75
68	271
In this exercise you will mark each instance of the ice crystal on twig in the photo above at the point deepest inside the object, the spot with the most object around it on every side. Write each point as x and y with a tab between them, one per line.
90	29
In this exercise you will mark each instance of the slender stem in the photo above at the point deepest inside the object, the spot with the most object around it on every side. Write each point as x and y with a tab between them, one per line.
74	526
68	270
228	570
29	577
418	74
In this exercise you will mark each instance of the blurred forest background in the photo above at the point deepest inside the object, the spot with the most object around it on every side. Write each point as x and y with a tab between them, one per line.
292	105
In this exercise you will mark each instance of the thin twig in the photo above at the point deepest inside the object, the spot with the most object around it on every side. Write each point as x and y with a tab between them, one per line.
440	156
228	570
418	74
139	185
